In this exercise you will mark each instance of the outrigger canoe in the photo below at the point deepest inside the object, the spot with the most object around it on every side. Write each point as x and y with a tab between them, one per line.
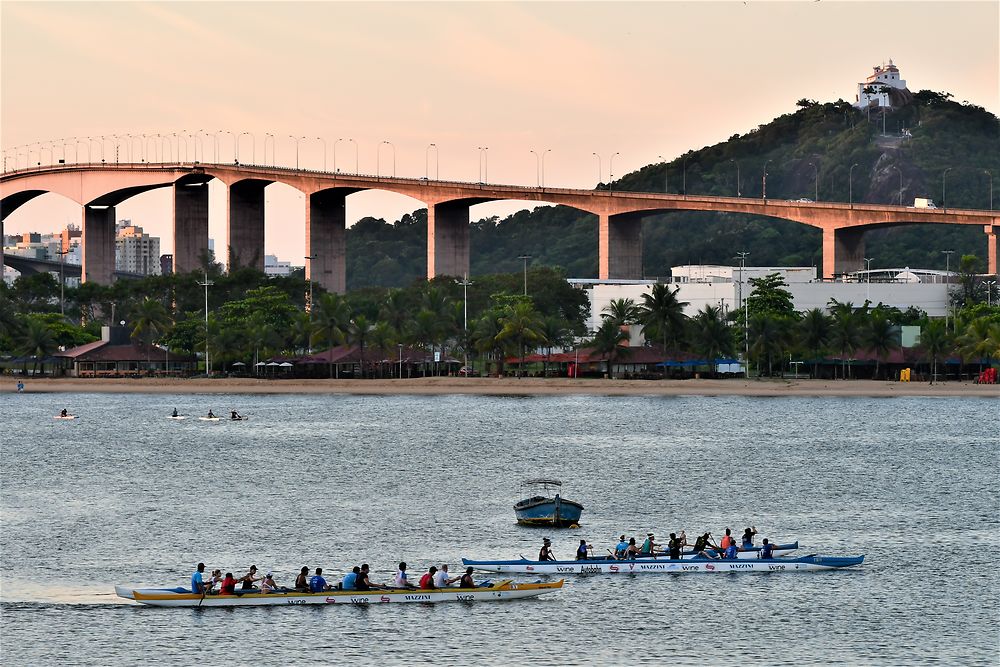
752	552
182	597
609	566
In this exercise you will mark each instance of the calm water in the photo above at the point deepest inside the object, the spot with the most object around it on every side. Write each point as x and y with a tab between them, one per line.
125	495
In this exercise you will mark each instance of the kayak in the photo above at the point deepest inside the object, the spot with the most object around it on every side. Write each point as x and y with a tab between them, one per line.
178	417
209	419
781	564
66	417
183	597
752	552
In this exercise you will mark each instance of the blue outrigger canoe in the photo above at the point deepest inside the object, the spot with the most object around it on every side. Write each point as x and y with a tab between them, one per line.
639	566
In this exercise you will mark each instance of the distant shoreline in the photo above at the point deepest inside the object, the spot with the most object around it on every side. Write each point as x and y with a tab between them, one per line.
508	386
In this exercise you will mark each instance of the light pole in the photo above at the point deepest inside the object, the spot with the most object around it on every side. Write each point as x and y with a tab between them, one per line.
524	259
868	277
738	193
544	153
427	162
666	175
297	140
400	346
763	189
850	185
600	172
378	156
253	147
324	151
208	368
465	282
989	292
900	184
271	136
484	164
684	177
215	145
947	270
746	316
62	281
990	174
944	186
611	169
816	179
538	163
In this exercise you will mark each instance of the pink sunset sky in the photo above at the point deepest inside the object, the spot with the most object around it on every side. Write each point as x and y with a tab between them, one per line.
639	79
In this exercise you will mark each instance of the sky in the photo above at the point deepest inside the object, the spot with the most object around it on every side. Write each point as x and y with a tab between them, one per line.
634	80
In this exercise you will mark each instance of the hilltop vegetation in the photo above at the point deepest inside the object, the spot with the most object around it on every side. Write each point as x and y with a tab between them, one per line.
832	136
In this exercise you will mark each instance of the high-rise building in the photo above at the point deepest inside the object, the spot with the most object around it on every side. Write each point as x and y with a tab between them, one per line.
136	251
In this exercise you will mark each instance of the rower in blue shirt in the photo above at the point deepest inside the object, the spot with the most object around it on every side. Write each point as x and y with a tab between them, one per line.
350	580
767	550
620	549
197	583
731	551
317	584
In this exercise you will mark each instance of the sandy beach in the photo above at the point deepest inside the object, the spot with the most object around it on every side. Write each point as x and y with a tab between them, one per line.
511	386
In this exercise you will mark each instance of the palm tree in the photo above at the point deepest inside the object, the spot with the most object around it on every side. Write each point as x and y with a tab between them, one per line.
521	324
845	333
621	311
607	342
814	332
768	336
331	317
662	315
425	331
395	310
36	341
882	336
150	320
382	338
358	331
935	340
713	337
975	341
484	337
554	332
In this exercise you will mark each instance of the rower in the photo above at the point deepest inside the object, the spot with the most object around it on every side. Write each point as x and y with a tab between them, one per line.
401	581
632	550
727	539
582	551
427	581
674	547
211	415
350	582
175	413
197	583
441	579
648	545
235	416
267	584
732	551
767	551
228	585
317	584
249	579
64	413
466	580
545	553
620	549
301	581
748	537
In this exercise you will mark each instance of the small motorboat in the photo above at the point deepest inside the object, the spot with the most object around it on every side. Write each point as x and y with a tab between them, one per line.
544	510
182	597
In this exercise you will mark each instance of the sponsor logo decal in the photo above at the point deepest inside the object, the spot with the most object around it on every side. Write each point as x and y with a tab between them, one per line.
689	568
385	598
563	568
652	567
465	598
298	601
425	597
359	600
709	567
613	568
778	567
590	569
744	566
530	568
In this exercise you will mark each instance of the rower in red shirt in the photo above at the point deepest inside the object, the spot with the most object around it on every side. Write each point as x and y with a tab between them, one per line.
427	581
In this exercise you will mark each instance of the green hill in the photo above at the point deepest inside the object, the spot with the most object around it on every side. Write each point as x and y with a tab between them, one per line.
922	139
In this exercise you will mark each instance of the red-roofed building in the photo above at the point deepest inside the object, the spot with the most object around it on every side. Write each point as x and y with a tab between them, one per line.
117	355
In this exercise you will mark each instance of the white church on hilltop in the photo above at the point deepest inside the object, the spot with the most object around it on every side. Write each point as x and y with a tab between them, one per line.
874	91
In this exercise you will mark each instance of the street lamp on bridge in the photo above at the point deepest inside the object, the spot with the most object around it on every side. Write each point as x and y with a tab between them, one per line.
666	174
484	163
297	140
266	135
427	160
540	180
253	147
611	170
378	155
600	172
324	152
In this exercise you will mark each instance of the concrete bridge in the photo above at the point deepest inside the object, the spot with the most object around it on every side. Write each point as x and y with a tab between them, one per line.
98	188
27	266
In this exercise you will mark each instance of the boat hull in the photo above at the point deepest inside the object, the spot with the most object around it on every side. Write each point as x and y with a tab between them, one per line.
660	565
557	512
505	590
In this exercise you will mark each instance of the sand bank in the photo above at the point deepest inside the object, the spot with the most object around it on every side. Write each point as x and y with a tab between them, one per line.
509	386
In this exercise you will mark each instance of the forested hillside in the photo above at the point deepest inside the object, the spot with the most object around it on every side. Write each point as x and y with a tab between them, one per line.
809	154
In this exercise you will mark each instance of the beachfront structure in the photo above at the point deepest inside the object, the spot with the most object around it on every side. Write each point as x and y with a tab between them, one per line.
118	355
875	89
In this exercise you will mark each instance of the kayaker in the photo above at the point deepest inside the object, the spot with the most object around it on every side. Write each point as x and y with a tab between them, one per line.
267	584
441	579
545	553
228	585
401	581
317	584
620	549
64	413
175	413
427	581
350	581
582	551
249	578
211	415
748	537
301	581
235	416
197	583
767	550
674	547
466	580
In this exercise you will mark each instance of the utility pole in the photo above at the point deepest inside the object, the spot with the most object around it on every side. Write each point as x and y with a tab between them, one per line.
746	317
465	282
525	259
208	368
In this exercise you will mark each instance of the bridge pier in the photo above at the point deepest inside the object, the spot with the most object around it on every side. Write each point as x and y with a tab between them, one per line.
993	249
326	220
620	246
98	241
843	251
190	225
448	239
246	224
